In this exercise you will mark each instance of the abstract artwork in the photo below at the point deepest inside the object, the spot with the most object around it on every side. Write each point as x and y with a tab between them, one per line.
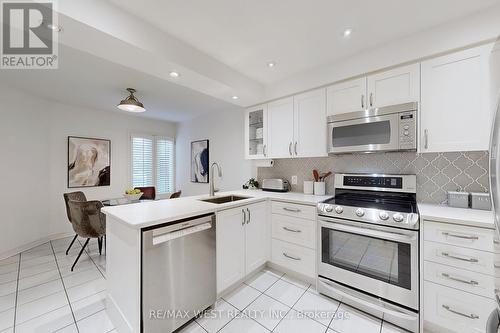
199	161
89	162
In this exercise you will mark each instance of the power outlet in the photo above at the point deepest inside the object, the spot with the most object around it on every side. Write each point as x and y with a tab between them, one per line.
294	180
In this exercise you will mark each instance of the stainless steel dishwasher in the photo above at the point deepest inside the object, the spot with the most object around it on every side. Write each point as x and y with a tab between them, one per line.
178	272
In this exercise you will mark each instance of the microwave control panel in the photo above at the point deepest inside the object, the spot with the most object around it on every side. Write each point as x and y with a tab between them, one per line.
408	130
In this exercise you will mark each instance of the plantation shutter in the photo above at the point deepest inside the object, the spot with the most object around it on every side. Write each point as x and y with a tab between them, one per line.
164	165
142	161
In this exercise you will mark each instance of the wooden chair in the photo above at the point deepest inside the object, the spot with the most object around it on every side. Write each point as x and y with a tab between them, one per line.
75	196
149	192
175	195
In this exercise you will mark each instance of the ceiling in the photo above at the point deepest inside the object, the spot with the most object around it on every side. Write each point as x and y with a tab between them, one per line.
298	35
92	82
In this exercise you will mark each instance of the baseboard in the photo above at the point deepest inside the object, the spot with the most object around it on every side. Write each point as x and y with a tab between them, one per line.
31	245
117	318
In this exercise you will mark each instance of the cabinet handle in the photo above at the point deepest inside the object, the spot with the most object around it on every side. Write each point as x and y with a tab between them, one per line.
295	148
290	148
426	139
290	257
244	217
449	277
362	101
445	233
470	316
264	150
371	99
249	216
292	230
496	241
446	254
294	210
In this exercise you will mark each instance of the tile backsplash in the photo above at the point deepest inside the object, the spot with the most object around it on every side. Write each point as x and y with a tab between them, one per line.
436	173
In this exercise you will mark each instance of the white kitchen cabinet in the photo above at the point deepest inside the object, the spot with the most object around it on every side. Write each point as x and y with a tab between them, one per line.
243	243
230	246
297	126
455	112
395	86
349	96
310	124
257	237
280	131
256	132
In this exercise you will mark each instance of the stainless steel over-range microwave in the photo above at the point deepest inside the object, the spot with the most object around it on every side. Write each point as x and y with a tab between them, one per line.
389	128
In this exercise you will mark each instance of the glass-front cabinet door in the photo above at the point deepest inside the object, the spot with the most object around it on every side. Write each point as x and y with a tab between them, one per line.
256	132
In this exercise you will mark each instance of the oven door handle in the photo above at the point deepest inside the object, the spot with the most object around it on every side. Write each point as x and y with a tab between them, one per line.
393	236
382	308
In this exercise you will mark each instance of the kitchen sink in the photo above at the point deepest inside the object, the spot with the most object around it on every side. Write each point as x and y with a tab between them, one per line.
221	200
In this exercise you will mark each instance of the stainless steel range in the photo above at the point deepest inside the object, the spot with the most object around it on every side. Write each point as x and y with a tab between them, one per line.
368	257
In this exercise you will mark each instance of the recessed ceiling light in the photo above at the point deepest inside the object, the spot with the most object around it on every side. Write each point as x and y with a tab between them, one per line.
174	74
235	97
347	33
54	27
271	64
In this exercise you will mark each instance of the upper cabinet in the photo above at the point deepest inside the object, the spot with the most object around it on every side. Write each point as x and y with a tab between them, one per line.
280	116
395	86
349	96
256	131
310	130
298	126
455	110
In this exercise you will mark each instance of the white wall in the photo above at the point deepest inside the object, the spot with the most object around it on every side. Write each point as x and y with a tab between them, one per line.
226	135
34	162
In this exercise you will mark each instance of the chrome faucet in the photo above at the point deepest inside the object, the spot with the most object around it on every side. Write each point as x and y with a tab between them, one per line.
211	176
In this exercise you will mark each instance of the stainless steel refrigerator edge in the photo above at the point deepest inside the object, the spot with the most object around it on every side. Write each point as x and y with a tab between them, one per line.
178	273
494	319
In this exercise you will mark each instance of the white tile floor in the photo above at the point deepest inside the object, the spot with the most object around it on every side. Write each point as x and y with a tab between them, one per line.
273	301
39	293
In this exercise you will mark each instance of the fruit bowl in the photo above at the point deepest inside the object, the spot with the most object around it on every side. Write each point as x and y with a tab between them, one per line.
133	197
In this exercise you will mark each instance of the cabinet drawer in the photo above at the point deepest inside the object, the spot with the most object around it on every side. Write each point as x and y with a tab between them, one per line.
473	260
470	237
294	257
456	310
294	230
472	282
295	210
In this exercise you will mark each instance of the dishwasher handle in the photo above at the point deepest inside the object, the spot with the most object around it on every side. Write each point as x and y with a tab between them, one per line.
167	237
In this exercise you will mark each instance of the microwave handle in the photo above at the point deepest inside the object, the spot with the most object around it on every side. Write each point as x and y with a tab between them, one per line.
393	236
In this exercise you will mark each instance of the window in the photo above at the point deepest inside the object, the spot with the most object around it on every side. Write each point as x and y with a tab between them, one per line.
153	162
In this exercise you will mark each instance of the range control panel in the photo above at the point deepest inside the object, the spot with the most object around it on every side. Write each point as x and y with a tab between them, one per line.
373	181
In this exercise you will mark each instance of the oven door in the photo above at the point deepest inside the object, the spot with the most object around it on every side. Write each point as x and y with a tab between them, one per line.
381	261
378	133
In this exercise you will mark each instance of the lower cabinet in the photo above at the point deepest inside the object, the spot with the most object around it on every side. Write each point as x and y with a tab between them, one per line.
243	242
455	310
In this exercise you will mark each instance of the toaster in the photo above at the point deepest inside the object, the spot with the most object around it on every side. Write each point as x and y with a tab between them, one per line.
275	185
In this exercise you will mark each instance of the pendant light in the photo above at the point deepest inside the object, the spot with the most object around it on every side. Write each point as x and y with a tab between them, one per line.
131	103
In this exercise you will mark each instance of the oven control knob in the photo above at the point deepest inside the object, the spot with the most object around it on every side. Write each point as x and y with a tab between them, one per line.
339	209
383	215
360	212
398	217
328	208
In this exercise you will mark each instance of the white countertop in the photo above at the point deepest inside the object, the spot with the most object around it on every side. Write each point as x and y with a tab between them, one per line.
149	213
464	216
